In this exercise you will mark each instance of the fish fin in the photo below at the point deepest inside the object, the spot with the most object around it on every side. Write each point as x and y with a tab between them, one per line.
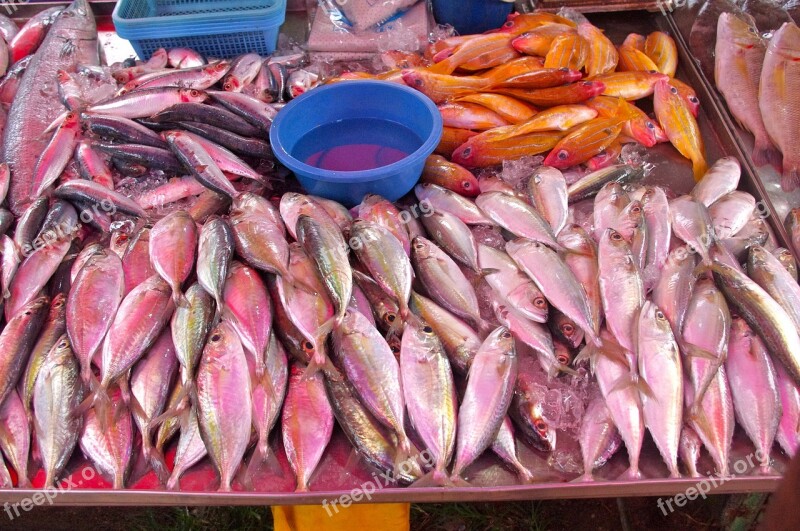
135	407
260	459
159	465
766	154
644	388
567	370
55	124
182	405
588	352
615	352
486	271
790	179
434	478
178	297
697	352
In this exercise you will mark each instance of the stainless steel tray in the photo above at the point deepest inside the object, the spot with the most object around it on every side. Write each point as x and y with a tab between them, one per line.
339	473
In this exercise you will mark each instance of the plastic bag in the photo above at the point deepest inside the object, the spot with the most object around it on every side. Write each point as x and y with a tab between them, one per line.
362	14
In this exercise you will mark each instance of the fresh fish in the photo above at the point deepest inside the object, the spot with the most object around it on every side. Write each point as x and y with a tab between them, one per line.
15	436
533	334
224	403
599	438
259	236
660	366
454	237
661	48
82	191
146	156
621	288
248	311
8	28
444	281
679	123
659	233
556	282
376	209
429	393
609	204
251	109
490	148
764	315
383	255
730	213
109	443
196	78
120	129
739	57
547	190
268	398
55	156
32	34
792	224
692	223
214	254
189	329
244	70
136	259
373	370
195	157
569	51
58	392
443	199
512	285
440	171
292	205
601	54
92	165
778	79
486	399
184	58
589	185
251	147
459	340
581	258
754	386
517	217
505	447
32	275
565	329
767	271
52	330
788	435
29	224
207	114
173	249
147	102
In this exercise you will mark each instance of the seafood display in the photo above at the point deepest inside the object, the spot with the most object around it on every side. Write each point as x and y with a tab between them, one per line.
173	301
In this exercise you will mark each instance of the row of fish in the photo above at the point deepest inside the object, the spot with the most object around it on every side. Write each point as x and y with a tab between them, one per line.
543	83
759	83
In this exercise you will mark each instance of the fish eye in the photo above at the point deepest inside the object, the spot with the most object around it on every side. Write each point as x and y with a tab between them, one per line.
539	302
427	329
693	99
562	359
568	329
616	236
651	71
562	154
563	69
537	179
673	90
509	24
466	185
391	317
216	337
506	335
63	344
395	349
650	125
194	93
660	315
418	82
587	83
419	246
540	426
466	152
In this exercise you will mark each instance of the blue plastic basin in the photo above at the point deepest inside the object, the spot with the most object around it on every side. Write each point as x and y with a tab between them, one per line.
389	108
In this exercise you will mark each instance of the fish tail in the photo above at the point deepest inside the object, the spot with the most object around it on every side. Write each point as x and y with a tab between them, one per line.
178	297
766	154
790	179
434	478
180	407
319	362
699	167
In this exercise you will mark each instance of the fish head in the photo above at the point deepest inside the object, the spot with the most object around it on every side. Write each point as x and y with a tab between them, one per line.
217	68
575	239
189	95
421	248
500	342
786	42
645	131
563	353
466	154
635	41
739	30
758	256
590	89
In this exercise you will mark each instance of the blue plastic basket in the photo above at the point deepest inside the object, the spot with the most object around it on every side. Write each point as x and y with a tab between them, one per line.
219	29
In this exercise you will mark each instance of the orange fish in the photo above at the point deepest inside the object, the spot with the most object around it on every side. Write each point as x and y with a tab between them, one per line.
688	94
630	85
607	157
473	49
451	139
601	56
567	51
491	59
542	78
483	150
639	127
538	41
564	95
633	60
519	24
399	59
634	40
661	48
559	118
443	87
510	109
584	141
513	68
680	126
445	44
438	170
470	116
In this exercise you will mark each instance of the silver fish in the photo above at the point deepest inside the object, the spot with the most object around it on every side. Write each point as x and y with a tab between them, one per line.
621	287
512	285
599	437
730	213
454	237
547	190
721	179
517	217
443	199
692	224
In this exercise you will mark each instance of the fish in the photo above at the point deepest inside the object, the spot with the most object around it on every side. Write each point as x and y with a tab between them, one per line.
109	444
581	258
547	190
505	447
621	287
251	109
268	398
376	209
454	237
429	393
539	40
754	387
629	85
206	114
173	250
443	199
518	23
71	40
486	399
599	438
703	33
440	171
767	271
660	366
730	213
243	71
792	225
92	165
632	59
788	436
459	340
214	255
661	48
517	217
57	394
470	116
30	36
533	334
196	158
558	118
568	50
535	78
248	311
372	369
17	339
444	281
189	328
590	184
689	450
692	223
191	449
680	126
307	424
739	56
477	53
53	328
136	262
585	141
15	436
786	258
556	282
507	108
764	315
569	94
451	139
721	179
602	56
224	403
778	79
659	233
487	149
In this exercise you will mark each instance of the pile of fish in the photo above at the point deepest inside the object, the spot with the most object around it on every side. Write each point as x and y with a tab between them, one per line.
426	327
543	83
758	82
